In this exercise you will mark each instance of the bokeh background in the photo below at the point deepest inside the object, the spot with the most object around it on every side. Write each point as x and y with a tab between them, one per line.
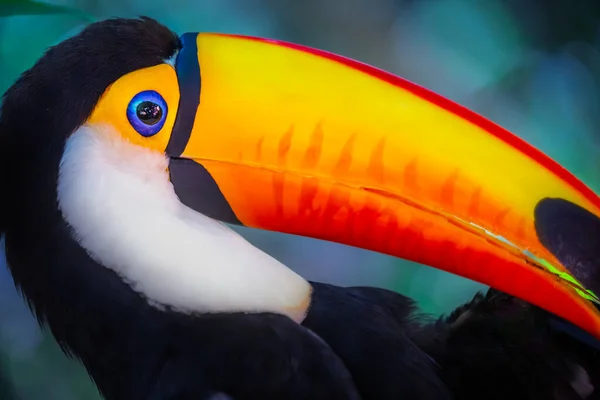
533	66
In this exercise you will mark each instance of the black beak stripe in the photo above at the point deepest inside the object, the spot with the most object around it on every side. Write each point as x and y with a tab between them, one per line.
190	83
193	184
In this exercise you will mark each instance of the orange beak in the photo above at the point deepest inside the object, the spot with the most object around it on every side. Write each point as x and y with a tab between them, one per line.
305	142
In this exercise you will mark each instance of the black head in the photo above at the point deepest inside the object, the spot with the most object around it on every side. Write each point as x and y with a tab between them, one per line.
54	97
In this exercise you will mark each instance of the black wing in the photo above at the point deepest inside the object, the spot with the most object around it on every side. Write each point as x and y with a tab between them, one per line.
250	356
369	329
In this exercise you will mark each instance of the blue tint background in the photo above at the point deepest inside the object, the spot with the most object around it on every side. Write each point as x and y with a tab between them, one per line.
531	66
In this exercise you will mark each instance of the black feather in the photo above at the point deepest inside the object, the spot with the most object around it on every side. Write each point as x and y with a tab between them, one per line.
500	347
368	328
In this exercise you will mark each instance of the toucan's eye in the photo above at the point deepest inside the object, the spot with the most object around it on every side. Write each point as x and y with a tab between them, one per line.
147	112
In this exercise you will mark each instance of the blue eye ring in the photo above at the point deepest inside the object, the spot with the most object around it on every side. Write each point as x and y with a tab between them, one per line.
147	112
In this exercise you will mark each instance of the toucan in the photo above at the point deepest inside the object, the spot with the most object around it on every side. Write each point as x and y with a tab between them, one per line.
126	150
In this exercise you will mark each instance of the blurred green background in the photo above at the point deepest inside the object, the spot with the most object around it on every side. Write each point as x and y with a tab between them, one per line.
531	66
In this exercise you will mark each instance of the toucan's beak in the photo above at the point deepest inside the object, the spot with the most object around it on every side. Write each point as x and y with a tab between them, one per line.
296	140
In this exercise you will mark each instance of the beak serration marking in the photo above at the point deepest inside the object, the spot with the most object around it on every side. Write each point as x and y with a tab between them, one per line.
279	178
376	168
284	146
448	188
410	176
313	153
343	165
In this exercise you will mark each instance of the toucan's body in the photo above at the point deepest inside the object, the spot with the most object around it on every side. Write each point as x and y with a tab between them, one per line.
119	157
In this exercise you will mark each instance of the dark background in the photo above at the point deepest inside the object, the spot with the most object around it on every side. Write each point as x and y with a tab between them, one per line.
533	66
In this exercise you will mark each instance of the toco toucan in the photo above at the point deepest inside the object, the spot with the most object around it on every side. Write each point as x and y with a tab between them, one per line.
125	148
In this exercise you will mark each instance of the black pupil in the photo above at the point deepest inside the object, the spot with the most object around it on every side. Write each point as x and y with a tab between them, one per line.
148	112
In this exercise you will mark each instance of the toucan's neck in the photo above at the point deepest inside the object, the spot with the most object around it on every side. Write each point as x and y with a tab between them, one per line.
119	200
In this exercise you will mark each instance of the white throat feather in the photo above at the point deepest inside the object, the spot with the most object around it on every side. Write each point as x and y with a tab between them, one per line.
122	208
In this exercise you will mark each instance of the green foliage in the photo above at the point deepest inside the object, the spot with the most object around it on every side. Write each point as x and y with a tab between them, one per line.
29	7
